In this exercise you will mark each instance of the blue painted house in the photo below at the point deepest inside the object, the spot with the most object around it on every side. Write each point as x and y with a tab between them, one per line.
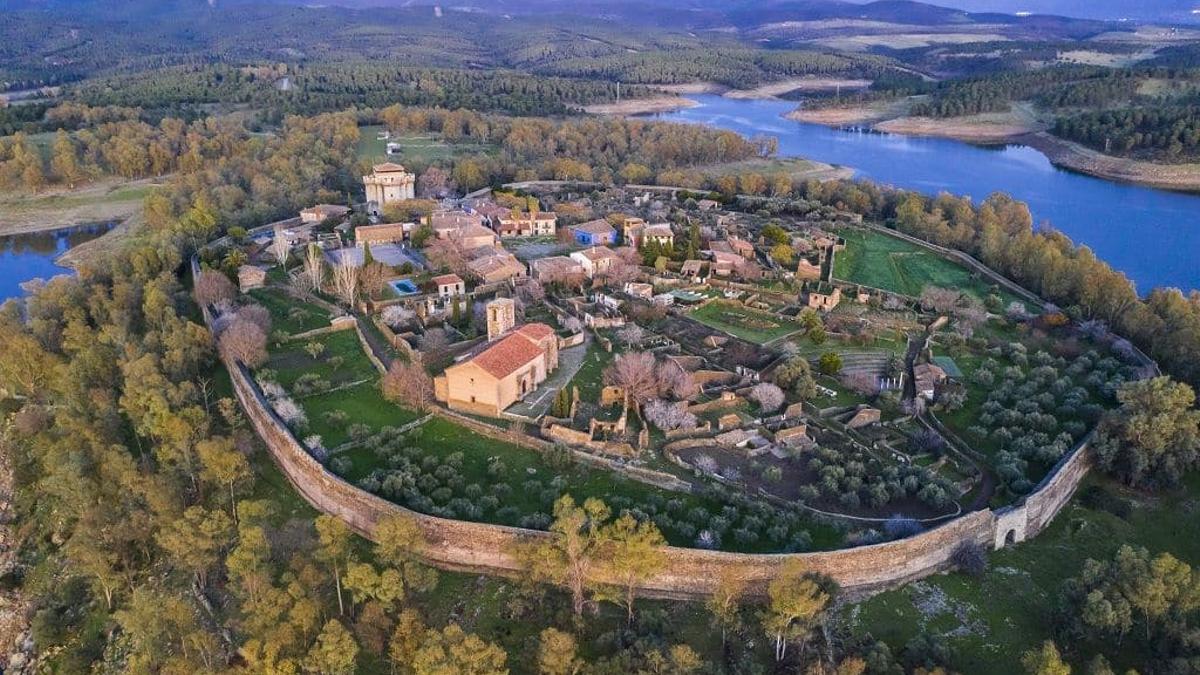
594	233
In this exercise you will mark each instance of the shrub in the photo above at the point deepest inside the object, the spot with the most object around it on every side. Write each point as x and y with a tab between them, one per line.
971	559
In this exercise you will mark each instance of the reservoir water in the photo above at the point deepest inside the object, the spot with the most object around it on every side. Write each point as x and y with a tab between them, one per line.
24	257
1153	236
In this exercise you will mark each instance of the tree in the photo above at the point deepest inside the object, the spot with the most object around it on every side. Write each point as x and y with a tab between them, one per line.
333	537
668	415
635	373
723	603
314	268
244	341
1045	660
557	653
222	464
195	540
345	280
633	552
451	651
406	639
399	542
782	254
408	384
796	374
1154	438
768	396
213	288
830	363
64	160
334	653
281	247
574	549
795	602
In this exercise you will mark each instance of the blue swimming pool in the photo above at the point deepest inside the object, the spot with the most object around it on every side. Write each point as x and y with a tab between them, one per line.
404	287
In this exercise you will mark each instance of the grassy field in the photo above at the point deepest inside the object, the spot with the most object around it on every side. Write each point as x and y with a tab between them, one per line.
589	379
418	149
289	314
745	323
341	362
881	261
989	622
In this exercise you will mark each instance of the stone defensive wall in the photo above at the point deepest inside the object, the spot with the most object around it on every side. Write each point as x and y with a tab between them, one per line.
691	573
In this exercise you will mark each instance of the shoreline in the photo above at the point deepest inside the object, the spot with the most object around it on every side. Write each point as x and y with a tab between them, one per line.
674	96
997	130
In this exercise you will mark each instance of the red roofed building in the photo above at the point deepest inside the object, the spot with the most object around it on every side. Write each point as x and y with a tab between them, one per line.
500	373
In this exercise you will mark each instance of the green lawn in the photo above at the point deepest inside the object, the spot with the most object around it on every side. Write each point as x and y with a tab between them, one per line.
1009	610
881	261
743	322
342	361
362	404
418	149
289	314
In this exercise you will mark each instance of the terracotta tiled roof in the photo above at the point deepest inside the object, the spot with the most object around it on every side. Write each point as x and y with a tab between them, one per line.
536	331
447	279
388	167
507	355
598	253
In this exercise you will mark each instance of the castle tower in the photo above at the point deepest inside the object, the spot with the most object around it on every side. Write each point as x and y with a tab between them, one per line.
501	317
388	183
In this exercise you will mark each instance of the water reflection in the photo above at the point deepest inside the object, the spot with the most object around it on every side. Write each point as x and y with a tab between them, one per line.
24	257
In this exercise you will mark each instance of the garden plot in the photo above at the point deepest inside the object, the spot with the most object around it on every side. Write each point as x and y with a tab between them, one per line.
834	476
1028	403
743	322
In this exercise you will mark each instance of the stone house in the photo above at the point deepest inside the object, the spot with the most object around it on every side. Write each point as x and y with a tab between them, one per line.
926	378
555	268
540	224
492	265
251	277
385	233
450	285
501	373
596	261
443	223
473	237
822	297
317	214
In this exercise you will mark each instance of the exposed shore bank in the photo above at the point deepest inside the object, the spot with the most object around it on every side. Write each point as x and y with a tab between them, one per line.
674	96
1009	128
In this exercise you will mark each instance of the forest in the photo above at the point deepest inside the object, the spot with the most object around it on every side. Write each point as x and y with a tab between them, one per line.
1166	132
309	88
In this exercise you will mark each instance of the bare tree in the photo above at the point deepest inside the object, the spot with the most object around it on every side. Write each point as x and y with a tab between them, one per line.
372	278
314	268
408	384
631	335
345	280
214	288
531	291
258	315
447	255
396	316
434	182
244	341
435	341
669	416
675	382
768	396
281	248
635	373
861	383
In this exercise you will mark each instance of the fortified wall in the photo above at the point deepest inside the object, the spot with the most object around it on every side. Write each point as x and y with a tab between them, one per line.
691	573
